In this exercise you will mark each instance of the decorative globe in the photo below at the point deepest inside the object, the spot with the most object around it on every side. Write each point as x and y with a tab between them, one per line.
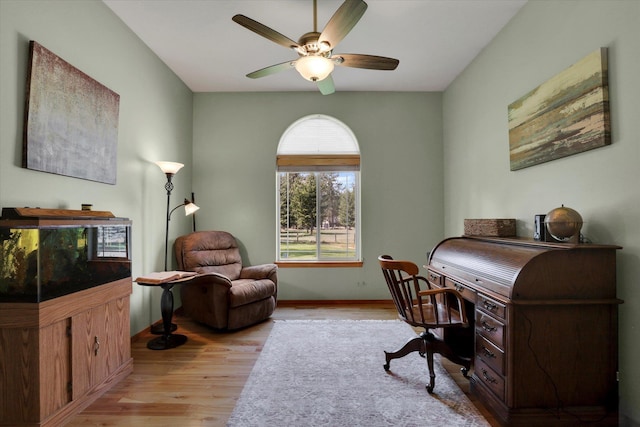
563	223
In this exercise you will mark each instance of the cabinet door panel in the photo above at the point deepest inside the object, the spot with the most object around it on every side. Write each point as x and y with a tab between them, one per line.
115	346
87	340
19	381
55	367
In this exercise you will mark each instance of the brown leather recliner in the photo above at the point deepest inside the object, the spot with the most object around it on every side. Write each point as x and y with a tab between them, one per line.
236	296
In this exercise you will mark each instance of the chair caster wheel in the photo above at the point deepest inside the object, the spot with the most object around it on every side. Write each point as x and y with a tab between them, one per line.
386	366
465	372
430	389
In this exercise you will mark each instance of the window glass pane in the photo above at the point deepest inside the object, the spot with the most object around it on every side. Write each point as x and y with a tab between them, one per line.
317	216
337	213
298	216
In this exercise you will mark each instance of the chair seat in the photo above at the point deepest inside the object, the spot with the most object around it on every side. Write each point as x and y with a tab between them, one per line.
429	316
246	291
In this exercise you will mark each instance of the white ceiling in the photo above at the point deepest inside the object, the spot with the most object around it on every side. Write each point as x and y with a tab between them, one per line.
433	39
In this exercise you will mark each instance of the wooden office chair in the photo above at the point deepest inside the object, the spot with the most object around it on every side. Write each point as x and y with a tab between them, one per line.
428	308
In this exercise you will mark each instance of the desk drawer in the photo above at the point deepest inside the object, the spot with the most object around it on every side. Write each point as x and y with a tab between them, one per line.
491	306
490	328
489	378
435	280
466	292
490	354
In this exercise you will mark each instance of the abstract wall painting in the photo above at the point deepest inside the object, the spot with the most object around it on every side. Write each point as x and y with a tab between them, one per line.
71	120
566	115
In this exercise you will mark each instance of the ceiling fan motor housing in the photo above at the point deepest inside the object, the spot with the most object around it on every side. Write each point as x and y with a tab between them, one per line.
309	45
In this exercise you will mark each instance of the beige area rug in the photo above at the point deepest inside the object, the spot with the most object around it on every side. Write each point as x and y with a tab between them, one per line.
330	373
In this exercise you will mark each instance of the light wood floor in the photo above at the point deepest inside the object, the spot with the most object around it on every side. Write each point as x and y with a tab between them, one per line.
198	383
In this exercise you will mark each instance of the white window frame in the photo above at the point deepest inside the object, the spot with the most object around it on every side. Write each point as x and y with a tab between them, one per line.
315	144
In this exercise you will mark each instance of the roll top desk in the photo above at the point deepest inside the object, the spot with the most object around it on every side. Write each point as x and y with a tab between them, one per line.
544	327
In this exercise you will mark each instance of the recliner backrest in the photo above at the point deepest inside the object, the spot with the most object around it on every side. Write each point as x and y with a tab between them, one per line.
209	252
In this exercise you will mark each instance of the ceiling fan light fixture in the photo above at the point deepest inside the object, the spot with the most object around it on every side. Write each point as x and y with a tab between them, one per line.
314	68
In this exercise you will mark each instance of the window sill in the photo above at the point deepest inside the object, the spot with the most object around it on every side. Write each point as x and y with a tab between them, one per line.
318	264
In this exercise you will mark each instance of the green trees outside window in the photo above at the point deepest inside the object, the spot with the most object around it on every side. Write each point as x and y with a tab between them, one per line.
318	215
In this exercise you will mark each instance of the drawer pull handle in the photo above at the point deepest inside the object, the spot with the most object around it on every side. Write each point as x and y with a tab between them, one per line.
489	306
459	288
488	352
487	377
487	327
96	345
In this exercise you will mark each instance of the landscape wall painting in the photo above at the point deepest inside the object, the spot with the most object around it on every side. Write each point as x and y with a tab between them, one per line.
566	115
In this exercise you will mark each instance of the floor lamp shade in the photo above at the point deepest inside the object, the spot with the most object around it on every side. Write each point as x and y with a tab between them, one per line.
169	167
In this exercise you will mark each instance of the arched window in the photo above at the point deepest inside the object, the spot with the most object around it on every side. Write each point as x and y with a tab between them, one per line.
318	196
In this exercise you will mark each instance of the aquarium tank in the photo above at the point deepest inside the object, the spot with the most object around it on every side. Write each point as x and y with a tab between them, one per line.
54	258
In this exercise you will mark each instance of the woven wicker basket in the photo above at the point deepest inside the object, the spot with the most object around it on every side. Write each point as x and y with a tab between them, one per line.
490	227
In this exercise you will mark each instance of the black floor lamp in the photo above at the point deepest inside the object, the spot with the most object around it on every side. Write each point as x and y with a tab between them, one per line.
169	340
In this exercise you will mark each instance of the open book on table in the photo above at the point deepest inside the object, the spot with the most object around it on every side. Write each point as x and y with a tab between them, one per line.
159	277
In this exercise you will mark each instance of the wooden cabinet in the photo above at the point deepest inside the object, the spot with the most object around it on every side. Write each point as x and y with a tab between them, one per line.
543	327
59	356
65	284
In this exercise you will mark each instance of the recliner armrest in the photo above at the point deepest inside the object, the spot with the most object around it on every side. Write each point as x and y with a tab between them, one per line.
215	278
262	271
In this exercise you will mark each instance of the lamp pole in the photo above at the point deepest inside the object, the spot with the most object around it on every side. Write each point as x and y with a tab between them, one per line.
169	169
169	187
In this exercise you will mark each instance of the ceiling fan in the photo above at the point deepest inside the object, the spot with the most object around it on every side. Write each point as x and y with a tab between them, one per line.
316	58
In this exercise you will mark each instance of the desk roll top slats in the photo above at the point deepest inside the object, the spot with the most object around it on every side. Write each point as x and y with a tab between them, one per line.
545	326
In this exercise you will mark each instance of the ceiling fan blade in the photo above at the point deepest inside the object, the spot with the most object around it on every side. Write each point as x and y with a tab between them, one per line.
272	69
326	85
370	62
342	21
265	31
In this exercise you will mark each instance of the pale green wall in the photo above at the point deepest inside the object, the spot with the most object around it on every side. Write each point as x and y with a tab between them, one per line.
155	124
544	38
234	151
